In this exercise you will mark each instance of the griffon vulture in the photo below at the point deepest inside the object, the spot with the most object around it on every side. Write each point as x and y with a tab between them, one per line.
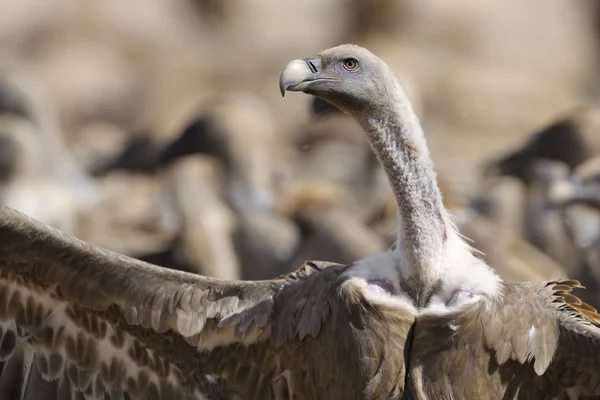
425	320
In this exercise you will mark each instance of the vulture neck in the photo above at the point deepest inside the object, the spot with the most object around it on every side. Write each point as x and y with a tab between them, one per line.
397	138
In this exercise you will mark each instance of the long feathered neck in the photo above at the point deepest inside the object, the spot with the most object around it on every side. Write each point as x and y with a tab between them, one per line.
397	138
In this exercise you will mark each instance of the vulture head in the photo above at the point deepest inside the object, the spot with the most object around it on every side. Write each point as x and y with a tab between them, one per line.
349	77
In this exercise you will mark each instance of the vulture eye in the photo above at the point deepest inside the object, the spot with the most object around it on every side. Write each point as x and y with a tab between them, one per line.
350	64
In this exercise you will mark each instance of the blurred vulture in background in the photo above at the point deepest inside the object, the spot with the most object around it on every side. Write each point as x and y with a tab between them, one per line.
192	202
576	197
546	165
572	139
551	155
217	191
334	188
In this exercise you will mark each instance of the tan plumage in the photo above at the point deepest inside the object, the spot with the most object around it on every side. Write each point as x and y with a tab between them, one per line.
323	209
129	227
535	341
334	151
333	190
155	323
263	240
224	219
193	204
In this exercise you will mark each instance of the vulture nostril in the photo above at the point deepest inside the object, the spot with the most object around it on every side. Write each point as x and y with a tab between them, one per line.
312	67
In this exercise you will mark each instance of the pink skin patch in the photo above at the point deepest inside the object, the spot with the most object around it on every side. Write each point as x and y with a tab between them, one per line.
459	296
383	285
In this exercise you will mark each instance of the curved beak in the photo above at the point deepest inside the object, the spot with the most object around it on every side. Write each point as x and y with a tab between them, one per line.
298	74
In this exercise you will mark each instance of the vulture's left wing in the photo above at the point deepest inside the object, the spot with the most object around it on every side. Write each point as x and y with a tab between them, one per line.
534	341
106	321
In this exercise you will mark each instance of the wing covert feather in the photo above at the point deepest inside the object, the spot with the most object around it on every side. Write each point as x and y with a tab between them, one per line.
108	321
536	340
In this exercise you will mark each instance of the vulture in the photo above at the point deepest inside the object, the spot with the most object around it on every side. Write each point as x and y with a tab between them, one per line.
235	133
544	223
192	204
235	128
572	139
563	233
576	198
332	189
425	319
140	155
549	156
568	196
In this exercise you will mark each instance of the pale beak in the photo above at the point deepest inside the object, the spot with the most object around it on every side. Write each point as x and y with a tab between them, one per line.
298	74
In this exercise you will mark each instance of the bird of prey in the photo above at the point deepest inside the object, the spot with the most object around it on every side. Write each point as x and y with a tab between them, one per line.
426	319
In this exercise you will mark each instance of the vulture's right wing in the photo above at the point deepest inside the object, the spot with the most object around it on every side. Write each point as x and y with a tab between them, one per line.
106	322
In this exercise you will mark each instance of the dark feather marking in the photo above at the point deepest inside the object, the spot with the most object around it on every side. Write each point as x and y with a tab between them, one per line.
301	307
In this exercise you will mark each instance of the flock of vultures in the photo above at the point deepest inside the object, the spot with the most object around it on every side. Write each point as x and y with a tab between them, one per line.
415	289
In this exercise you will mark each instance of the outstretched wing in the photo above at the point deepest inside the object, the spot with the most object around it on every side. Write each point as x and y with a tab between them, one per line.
534	341
107	321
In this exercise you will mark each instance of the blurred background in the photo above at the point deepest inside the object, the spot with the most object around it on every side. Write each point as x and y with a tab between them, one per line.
156	129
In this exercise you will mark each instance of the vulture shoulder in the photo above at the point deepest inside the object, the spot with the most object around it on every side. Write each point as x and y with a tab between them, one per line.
103	323
534	341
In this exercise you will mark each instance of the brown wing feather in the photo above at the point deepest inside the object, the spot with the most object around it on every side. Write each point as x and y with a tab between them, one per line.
535	341
108	321
334	345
